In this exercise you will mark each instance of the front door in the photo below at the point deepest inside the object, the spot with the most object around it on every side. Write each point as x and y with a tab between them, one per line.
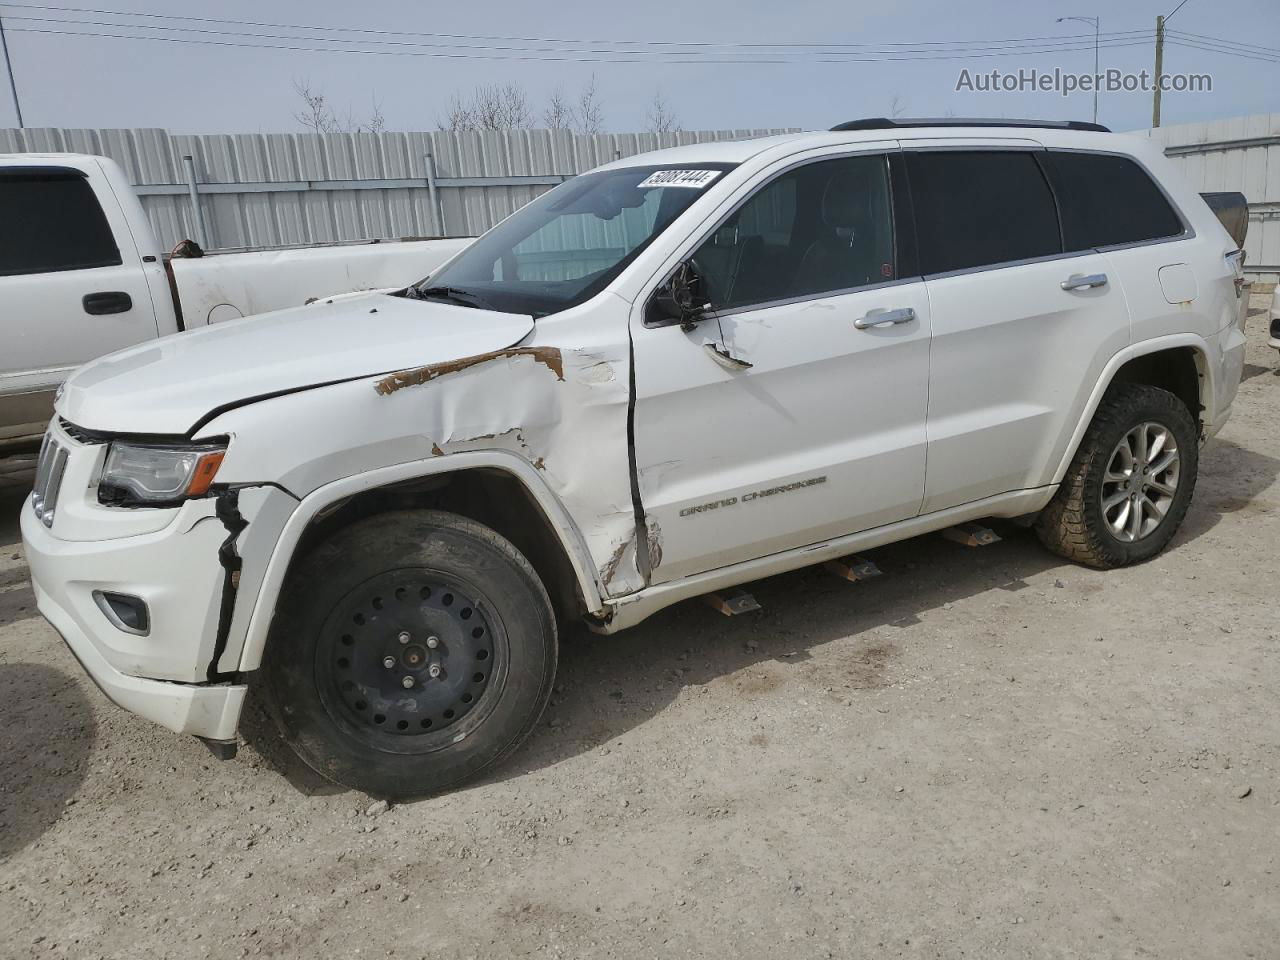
793	412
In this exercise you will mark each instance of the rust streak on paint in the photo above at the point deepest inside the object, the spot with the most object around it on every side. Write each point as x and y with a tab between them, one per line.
549	357
436	451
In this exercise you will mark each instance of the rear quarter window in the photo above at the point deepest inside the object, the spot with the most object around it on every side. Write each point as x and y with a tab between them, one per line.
51	223
1108	200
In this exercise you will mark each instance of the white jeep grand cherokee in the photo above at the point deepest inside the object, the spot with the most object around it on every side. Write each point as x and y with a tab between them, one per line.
679	372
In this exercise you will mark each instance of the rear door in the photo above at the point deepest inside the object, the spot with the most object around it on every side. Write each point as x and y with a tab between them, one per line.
794	412
1111	204
72	286
1021	329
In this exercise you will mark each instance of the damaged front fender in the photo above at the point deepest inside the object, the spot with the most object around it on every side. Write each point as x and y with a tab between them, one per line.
552	410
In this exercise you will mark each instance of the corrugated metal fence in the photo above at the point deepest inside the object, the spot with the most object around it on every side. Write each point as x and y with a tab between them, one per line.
1241	153
286	189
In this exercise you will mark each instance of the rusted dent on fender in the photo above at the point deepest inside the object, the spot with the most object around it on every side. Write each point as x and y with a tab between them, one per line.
436	451
549	357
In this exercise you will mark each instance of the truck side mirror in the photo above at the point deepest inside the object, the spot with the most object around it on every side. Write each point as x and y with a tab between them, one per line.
679	300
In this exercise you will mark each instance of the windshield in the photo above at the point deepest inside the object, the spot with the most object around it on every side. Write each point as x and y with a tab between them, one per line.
568	244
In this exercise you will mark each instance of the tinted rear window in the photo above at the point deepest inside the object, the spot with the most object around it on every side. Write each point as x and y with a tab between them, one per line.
978	208
52	223
1107	200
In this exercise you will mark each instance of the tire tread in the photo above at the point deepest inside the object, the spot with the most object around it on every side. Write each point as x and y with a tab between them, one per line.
1069	526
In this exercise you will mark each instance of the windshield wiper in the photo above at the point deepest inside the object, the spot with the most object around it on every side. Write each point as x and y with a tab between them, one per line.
448	293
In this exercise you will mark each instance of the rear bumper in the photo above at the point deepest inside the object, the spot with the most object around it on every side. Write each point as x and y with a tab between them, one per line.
204	711
1230	344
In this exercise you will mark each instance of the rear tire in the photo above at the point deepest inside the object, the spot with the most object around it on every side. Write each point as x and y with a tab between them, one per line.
1130	483
410	652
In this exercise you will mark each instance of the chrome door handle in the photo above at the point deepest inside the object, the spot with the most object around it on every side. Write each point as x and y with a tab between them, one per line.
722	356
1084	281
878	318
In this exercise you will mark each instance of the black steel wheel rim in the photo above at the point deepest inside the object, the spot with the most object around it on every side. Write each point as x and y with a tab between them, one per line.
411	660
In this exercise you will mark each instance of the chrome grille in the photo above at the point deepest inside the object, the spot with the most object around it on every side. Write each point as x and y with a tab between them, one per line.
49	470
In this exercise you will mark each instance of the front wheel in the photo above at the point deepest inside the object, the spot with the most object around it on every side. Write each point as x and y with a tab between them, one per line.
1130	483
410	652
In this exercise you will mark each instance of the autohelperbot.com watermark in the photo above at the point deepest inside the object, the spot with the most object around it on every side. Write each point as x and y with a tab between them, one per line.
1066	83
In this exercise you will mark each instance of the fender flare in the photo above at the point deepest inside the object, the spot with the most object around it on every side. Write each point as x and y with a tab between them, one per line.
282	554
1131	352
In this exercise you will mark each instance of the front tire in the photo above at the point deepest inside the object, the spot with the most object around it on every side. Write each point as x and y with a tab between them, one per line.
410	652
1130	483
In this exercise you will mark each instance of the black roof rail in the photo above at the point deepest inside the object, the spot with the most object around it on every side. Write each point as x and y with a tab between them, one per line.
884	123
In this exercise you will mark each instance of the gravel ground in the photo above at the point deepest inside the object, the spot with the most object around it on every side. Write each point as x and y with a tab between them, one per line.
985	752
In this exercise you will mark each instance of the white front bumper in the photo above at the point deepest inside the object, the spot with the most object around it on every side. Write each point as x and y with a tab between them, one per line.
64	575
209	711
166	558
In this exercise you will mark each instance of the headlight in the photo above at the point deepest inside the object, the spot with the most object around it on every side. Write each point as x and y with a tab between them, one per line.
154	476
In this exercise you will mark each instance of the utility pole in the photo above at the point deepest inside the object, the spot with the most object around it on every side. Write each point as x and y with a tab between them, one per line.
13	87
1155	103
1161	23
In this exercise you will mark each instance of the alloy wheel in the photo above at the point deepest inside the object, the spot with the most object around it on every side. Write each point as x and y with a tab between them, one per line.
1140	481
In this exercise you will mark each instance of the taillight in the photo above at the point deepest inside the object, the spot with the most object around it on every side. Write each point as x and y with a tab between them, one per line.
1235	260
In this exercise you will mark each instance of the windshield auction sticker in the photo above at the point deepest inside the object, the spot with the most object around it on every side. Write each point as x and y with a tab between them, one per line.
697	179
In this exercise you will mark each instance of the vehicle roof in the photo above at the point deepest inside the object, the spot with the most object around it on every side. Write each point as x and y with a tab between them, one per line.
28	158
739	151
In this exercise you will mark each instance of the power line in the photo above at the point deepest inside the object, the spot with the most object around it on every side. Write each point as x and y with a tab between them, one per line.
1251	47
511	39
1230	53
620	58
1064	45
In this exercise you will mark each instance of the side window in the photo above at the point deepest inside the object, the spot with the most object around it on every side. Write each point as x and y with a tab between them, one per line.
979	208
1107	200
51	223
577	245
818	228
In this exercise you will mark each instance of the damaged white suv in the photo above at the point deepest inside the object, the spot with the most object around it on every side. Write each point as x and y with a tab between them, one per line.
679	372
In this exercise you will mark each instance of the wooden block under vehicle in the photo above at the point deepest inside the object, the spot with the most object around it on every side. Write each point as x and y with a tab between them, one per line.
852	568
731	602
971	535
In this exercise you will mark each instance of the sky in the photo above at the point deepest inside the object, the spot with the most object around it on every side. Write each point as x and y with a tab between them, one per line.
220	87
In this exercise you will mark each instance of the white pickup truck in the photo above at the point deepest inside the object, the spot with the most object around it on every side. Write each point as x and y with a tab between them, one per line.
680	372
82	275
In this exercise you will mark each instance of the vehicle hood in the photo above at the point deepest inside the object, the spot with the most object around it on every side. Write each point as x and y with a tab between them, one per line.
167	386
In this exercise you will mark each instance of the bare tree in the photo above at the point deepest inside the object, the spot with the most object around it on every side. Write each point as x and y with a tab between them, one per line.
510	108
558	115
588	114
318	115
377	123
489	107
460	116
506	107
660	117
897	106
